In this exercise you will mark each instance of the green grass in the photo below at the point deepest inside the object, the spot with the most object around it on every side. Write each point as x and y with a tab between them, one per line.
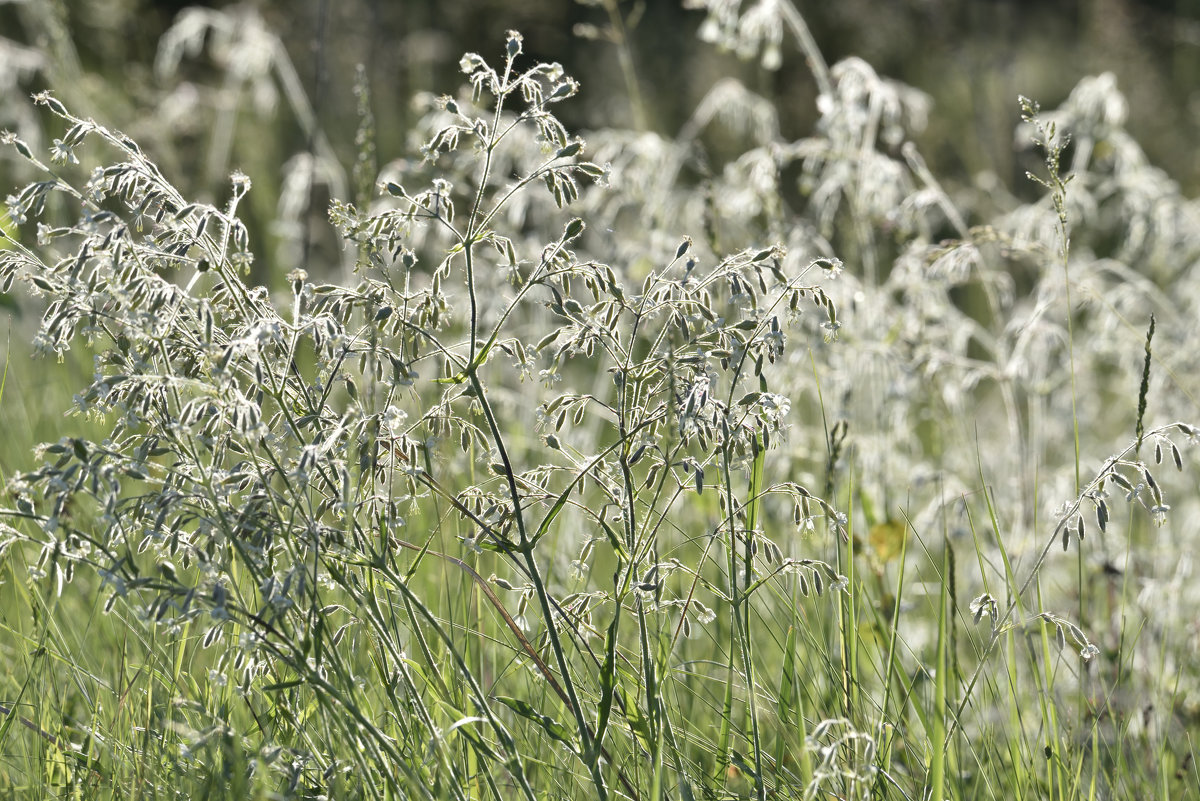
541	500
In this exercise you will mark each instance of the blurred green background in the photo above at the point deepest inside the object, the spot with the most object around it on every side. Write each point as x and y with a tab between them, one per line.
973	57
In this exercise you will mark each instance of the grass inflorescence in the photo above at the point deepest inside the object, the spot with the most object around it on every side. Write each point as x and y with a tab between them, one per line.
594	470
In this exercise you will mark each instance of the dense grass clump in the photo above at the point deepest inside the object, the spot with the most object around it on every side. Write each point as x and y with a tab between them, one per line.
599	470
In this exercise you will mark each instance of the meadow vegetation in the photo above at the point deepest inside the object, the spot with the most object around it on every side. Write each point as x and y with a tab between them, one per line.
587	466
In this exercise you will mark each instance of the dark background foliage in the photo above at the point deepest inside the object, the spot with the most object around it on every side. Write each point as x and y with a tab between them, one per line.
973	57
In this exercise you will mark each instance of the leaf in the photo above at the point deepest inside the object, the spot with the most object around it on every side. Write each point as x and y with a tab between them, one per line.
613	539
553	513
787	681
639	724
551	726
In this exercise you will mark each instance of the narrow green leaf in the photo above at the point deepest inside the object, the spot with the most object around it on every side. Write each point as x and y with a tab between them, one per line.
551	726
